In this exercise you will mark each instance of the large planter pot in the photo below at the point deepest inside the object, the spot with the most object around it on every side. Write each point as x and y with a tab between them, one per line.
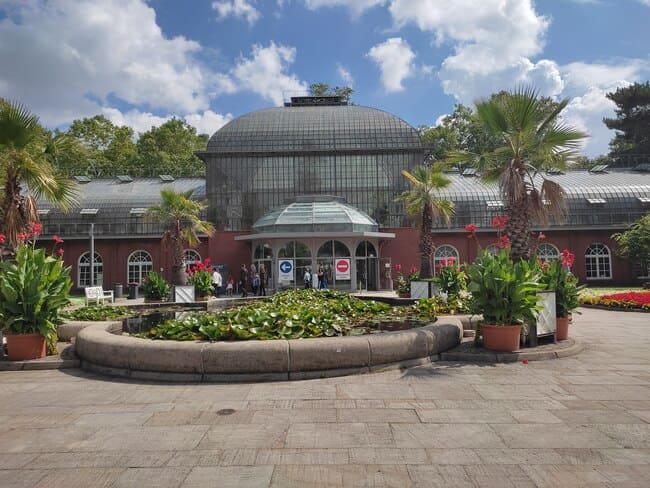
504	338
21	347
204	298
562	331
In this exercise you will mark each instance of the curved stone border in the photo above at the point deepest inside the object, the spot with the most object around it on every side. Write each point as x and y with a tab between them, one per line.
563	349
103	350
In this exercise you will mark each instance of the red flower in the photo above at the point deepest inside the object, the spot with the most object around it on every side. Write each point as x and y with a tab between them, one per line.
207	261
2	238
567	258
22	236
450	261
499	222
541	236
398	267
59	252
470	228
413	270
36	228
57	239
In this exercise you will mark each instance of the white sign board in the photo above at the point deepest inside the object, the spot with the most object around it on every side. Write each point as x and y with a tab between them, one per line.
342	267
285	270
184	294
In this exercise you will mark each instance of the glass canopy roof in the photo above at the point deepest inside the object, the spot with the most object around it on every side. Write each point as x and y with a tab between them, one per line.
316	214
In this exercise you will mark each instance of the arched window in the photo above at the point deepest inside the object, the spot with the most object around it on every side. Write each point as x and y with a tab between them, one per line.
83	270
191	257
367	266
598	262
327	255
547	252
139	266
442	255
300	255
366	249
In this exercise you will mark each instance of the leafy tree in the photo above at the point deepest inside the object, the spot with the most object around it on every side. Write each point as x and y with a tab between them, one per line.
169	149
421	201
634	243
99	148
531	139
27	170
180	214
632	122
323	89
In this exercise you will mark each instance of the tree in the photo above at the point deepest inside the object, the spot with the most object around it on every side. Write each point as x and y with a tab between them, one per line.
421	202
169	149
632	122
27	171
323	89
98	148
180	214
531	139
634	244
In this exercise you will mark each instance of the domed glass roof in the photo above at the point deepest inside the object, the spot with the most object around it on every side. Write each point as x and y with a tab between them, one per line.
315	214
314	128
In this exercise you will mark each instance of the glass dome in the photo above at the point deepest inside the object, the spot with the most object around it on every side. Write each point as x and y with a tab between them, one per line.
314	128
315	214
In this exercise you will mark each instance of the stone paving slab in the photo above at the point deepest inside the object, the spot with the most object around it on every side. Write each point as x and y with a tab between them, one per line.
569	422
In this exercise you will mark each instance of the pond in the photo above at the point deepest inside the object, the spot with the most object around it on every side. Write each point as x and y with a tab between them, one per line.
143	323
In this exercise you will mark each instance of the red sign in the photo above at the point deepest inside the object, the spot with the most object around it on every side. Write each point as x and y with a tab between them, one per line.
342	266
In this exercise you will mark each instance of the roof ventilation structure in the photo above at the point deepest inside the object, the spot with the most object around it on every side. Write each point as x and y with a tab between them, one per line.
599	168
88	211
554	171
166	178
644	167
82	179
470	172
124	178
596	201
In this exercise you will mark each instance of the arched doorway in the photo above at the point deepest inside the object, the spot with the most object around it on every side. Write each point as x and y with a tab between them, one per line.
329	253
367	272
300	256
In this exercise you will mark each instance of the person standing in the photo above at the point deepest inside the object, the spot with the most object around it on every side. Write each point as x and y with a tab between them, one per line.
321	278
263	278
307	278
243	280
217	281
230	285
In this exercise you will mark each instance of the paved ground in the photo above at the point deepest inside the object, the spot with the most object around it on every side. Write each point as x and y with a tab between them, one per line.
581	421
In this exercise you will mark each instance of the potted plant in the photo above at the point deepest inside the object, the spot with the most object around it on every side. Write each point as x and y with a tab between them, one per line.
34	287
404	282
200	275
505	293
557	276
155	288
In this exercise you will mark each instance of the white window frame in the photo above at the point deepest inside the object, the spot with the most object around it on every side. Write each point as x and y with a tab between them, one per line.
193	253
444	251
593	254
142	267
83	268
547	256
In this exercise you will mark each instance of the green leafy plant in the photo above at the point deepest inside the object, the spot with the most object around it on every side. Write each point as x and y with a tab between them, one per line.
34	287
96	312
404	282
503	291
557	276
200	275
155	287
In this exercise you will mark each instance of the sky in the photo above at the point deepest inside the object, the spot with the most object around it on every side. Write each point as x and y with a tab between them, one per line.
142	62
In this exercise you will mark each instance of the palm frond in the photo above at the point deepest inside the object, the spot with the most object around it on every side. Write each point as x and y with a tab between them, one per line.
18	127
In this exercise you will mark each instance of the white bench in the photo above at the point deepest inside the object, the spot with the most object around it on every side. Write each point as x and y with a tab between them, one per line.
98	294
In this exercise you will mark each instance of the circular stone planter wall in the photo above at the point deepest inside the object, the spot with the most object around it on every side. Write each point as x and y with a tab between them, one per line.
103	350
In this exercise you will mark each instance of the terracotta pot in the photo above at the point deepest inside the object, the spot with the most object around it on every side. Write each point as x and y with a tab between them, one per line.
25	346
562	328
504	338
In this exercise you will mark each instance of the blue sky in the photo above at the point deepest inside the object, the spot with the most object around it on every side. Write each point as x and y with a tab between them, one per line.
207	61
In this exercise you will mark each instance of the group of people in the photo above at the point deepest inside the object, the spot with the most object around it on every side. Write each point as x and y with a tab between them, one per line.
253	278
322	278
217	283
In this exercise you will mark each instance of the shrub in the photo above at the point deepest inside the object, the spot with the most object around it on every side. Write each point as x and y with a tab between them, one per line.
155	287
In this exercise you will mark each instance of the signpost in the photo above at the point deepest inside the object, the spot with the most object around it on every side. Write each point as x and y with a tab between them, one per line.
285	267
342	267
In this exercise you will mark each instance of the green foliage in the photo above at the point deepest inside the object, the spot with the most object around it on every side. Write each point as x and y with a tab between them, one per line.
96	313
567	291
293	314
503	291
632	122
200	275
155	287
321	89
634	244
33	289
404	282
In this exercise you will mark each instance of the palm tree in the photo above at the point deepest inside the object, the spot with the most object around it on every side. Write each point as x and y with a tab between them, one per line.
180	214
27	173
532	140
421	202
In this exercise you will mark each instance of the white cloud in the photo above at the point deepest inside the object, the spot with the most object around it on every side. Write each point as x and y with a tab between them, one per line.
67	58
345	75
237	8
265	73
207	122
395	60
356	6
645	2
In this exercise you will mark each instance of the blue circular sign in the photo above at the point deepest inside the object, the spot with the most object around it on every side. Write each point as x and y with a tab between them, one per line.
286	266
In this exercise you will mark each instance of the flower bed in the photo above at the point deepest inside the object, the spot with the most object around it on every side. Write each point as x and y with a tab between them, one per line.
630	299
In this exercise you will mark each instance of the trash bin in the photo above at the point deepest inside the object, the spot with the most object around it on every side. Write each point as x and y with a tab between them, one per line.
118	291
133	291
